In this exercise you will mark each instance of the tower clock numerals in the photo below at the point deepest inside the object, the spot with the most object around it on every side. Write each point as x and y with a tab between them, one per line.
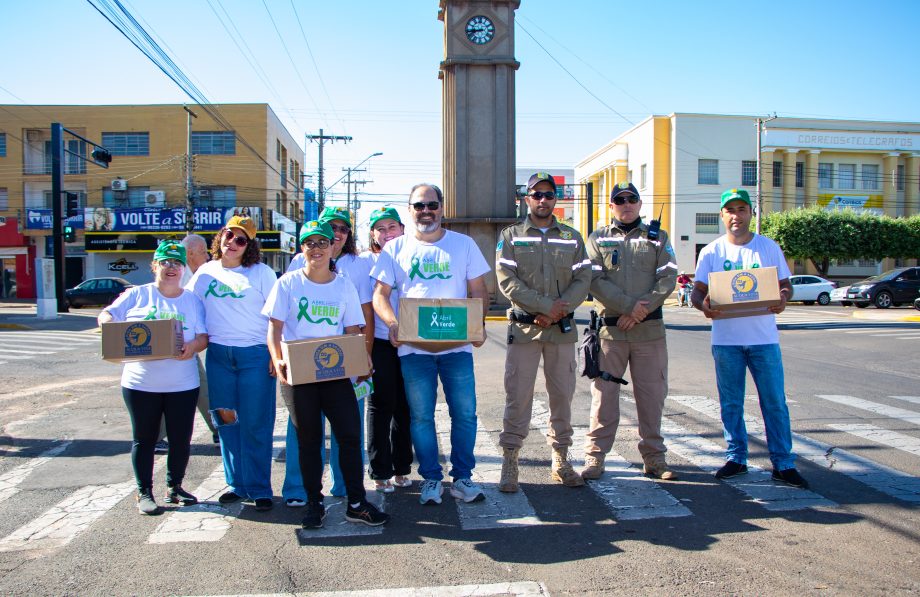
480	30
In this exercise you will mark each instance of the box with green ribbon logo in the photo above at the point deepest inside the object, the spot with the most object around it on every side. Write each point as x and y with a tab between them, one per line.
435	325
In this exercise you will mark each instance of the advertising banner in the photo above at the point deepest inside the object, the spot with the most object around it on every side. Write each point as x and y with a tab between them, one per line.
41	219
142	242
150	219
858	203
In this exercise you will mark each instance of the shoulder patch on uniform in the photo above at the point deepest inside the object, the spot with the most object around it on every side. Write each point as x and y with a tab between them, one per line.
501	243
670	250
565	235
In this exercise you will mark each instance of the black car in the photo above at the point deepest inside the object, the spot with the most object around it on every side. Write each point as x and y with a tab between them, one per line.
893	288
96	291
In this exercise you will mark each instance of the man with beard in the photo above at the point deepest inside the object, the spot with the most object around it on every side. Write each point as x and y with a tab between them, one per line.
435	263
543	269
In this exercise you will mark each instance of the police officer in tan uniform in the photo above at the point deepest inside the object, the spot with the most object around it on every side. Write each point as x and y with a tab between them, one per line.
544	271
634	272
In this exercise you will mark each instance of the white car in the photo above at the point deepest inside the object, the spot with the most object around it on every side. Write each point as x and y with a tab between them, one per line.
839	295
811	289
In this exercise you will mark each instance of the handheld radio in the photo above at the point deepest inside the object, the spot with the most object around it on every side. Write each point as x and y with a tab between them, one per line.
654	227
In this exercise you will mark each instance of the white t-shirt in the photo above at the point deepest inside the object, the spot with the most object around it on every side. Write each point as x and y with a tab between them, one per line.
164	375
721	255
381	330
354	267
430	270
233	299
311	310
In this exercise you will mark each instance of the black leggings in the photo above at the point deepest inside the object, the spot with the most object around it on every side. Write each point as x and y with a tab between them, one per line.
146	410
307	403
389	444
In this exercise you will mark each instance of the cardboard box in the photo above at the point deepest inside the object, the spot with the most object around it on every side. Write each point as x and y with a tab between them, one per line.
325	359
744	292
146	340
435	325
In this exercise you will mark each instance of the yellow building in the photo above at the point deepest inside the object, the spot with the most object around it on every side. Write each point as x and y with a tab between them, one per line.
681	163
256	164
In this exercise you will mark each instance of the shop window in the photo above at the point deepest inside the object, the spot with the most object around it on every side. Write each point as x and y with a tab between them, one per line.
846	176
214	143
707	223
708	172
748	173
778	175
825	176
127	143
870	177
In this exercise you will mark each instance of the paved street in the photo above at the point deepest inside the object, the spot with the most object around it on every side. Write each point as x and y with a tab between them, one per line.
68	524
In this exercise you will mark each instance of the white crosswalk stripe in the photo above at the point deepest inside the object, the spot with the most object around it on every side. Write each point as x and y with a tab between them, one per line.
10	482
887	437
503	589
882	478
892	412
20	345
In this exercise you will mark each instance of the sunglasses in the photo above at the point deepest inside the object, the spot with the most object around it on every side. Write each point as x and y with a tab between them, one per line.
171	263
548	195
622	199
340	228
322	243
240	240
431	205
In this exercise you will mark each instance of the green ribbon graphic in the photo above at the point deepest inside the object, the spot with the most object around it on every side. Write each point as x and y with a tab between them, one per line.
212	290
417	271
152	314
302	314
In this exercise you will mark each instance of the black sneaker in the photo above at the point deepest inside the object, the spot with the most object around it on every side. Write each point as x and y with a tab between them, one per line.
145	502
790	476
229	498
264	504
215	438
731	469
177	495
367	513
316	513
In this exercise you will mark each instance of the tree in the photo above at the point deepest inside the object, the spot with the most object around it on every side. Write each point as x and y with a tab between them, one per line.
820	235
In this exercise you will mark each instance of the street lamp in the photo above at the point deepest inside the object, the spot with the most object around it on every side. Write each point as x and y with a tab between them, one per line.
347	175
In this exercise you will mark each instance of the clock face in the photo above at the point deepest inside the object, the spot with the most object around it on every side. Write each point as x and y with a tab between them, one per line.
480	30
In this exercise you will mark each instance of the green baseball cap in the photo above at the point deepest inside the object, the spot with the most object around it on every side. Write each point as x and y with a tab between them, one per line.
335	213
735	195
384	213
313	227
169	249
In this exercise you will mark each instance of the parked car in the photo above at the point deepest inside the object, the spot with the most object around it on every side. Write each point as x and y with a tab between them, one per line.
893	288
96	291
839	295
811	289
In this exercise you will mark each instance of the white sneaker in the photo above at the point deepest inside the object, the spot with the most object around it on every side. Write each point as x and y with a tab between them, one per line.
431	491
466	490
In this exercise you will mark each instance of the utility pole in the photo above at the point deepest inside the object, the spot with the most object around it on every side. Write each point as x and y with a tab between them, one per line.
350	182
189	184
321	140
760	126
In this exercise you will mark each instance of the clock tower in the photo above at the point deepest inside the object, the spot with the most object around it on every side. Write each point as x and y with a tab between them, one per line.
477	75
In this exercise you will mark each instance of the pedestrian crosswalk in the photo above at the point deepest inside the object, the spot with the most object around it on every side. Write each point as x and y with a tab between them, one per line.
22	345
690	427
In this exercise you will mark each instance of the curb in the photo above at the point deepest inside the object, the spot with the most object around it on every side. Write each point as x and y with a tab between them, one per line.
14	326
861	314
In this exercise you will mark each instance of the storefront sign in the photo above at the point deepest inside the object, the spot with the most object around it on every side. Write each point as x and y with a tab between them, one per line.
143	242
854	140
43	219
122	266
858	203
149	219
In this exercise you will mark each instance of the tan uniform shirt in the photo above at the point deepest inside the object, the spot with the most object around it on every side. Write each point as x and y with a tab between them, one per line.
534	269
628	267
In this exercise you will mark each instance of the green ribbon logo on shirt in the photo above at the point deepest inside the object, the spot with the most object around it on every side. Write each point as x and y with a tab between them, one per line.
224	291
303	312
152	314
437	270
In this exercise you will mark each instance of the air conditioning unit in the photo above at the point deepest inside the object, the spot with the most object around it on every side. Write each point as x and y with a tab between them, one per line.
204	193
155	199
119	184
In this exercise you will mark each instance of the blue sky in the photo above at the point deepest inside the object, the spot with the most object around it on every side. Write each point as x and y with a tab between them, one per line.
377	64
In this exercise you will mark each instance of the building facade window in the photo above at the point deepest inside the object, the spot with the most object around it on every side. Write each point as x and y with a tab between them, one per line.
825	176
213	143
133	197
212	196
778	174
127	143
4	199
900	180
708	172
2	145
643	173
870	177
846	176
748	173
707	223
799	174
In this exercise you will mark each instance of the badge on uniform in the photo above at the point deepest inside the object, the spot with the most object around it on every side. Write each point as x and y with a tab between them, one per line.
565	235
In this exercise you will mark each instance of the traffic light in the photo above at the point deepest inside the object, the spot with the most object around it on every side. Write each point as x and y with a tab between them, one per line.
101	155
72	205
70	235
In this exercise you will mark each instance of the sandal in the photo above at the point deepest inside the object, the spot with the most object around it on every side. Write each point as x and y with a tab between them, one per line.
402	481
385	486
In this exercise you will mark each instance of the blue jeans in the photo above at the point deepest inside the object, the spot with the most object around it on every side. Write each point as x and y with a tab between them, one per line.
293	480
420	375
766	364
238	381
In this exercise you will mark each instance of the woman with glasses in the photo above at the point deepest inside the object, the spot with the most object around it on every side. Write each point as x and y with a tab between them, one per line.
314	302
390	445
233	287
348	263
166	388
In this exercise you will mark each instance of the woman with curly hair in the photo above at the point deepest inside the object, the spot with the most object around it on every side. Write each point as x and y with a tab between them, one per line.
233	287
